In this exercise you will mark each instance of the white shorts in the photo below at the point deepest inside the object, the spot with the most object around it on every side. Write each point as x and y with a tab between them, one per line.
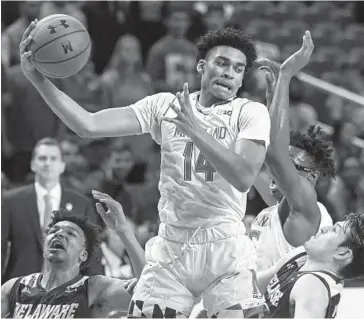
184	264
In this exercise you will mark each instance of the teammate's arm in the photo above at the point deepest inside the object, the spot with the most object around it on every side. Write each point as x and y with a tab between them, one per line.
5	294
298	191
310	297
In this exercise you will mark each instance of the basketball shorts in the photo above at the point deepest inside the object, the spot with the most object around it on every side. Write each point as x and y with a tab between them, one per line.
183	265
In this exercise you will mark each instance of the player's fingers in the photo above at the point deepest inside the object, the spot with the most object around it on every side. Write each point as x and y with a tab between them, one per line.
29	29
100	194
101	210
24	45
186	94
167	119
175	108
26	54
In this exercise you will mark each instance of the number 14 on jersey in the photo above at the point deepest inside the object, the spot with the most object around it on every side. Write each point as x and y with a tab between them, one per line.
201	166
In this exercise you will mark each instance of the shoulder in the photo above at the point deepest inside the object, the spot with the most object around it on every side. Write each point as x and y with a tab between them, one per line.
6	287
18	192
159	100
159	46
251	108
309	288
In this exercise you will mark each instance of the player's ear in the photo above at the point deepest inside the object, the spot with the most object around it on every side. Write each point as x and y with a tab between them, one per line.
83	256
314	176
344	254
201	66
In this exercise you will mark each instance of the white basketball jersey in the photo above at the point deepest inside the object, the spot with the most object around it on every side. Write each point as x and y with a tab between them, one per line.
193	194
268	237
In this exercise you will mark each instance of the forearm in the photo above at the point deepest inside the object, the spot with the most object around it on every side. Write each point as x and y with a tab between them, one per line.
71	113
233	167
279	113
134	250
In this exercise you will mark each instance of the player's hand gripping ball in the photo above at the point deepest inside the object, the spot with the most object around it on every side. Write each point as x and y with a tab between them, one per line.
60	46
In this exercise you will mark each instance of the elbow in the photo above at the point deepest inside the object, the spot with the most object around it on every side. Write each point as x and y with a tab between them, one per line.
87	130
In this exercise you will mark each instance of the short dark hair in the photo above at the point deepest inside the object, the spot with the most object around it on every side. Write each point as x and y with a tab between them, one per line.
318	145
229	37
92	232
46	141
356	243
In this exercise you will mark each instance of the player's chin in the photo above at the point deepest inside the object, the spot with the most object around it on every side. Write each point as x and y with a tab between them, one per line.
222	95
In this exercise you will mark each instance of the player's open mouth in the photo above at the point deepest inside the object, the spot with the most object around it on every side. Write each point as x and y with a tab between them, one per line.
224	85
57	244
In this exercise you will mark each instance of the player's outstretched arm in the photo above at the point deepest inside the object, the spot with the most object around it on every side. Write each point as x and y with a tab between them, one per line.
114	219
310	297
298	191
5	294
106	123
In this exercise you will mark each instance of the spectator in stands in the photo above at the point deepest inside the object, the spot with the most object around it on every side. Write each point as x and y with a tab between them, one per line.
147	15
28	119
26	212
171	61
124	81
214	16
85	88
76	165
62	7
112	176
106	22
28	11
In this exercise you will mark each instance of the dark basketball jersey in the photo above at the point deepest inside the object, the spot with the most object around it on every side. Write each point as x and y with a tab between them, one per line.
278	292
29	300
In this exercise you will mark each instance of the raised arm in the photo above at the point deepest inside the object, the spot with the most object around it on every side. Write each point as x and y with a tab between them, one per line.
298	191
106	123
115	219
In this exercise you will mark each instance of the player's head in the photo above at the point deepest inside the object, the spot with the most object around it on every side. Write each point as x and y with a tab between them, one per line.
177	18
340	246
47	163
70	241
223	57
312	153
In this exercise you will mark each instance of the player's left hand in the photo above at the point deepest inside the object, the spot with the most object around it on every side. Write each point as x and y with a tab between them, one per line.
114	216
271	70
186	121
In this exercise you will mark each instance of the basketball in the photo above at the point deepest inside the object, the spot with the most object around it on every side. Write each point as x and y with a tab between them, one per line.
60	46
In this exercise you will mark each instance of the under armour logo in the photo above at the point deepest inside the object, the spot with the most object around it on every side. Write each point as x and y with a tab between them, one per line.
53	28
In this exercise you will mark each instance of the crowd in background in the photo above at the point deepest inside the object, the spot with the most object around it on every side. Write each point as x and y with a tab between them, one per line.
141	48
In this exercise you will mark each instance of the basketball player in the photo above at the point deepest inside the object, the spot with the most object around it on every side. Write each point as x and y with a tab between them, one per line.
213	145
296	164
308	281
61	291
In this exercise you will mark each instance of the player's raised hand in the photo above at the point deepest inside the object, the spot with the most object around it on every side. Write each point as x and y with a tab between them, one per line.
185	121
300	58
114	216
27	66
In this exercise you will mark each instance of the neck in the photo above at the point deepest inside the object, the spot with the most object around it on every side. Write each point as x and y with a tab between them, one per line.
312	265
206	99
176	35
54	277
48	185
